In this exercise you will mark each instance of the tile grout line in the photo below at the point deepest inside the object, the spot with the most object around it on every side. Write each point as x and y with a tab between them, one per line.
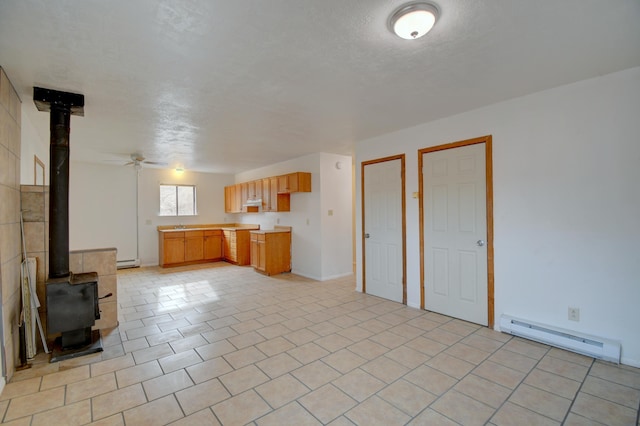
578	392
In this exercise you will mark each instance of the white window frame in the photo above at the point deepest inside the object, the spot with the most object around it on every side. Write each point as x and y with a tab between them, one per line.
177	212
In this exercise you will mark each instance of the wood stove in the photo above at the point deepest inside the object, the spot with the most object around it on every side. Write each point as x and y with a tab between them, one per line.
72	299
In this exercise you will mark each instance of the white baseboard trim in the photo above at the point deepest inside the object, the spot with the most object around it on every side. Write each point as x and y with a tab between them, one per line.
333	277
302	274
630	362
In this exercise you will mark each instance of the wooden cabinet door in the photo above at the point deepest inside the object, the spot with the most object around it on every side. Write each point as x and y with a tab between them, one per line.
302	182
244	190
229	245
294	182
283	183
237	199
280	202
233	199
212	245
266	195
193	246
254	251
243	248
258	189
262	255
173	250
273	190
254	190
228	198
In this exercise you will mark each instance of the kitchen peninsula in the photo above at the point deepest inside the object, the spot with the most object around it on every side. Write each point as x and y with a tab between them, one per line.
191	244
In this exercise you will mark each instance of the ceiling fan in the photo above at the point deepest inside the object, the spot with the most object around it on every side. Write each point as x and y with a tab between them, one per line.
138	160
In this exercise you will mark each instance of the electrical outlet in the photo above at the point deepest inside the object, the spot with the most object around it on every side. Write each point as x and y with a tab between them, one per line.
574	314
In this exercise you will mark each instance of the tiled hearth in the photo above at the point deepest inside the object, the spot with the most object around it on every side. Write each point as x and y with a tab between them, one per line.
220	344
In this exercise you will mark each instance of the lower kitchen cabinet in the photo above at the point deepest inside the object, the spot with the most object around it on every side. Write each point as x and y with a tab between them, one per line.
193	246
171	248
183	247
212	245
271	251
236	246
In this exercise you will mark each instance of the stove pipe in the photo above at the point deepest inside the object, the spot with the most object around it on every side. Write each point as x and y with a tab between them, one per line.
61	106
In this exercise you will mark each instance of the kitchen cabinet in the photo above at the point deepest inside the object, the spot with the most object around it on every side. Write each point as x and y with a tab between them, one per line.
271	250
237	204
236	246
294	182
273	191
244	197
204	243
171	247
266	195
228	198
254	190
279	202
212	245
233	199
193	246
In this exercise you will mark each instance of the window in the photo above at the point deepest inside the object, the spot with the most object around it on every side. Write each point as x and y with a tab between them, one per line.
178	200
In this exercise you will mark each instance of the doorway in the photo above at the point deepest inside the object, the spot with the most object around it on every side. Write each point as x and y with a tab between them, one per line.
383	228
456	230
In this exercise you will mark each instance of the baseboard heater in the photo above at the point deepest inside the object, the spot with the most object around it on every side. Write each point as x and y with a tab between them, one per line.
131	263
593	346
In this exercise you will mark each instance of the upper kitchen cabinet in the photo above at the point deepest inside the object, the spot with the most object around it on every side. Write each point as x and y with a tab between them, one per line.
255	190
233	198
294	182
270	194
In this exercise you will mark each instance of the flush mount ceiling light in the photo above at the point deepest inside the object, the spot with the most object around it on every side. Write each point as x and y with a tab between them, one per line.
413	20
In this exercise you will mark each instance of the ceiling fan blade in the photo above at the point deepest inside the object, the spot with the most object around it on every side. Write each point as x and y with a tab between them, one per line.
129	163
157	163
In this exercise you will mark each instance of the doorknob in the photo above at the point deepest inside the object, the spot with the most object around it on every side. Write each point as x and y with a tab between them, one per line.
366	235
480	243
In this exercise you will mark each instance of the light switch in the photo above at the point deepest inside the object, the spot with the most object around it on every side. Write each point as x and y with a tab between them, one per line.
148	222
330	212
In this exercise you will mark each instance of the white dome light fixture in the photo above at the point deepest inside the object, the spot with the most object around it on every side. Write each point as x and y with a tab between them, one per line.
413	20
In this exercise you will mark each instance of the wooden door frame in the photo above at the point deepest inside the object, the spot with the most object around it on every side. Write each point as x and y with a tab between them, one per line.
489	193
400	157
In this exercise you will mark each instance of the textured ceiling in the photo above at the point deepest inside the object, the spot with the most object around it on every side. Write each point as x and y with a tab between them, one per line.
227	86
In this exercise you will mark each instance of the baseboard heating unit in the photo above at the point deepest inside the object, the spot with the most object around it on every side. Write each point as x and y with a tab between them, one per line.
593	346
131	263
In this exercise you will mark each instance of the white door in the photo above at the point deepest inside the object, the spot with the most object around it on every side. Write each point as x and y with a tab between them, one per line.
455	233
383	229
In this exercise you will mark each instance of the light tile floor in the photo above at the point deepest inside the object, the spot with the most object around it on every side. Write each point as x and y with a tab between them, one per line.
221	344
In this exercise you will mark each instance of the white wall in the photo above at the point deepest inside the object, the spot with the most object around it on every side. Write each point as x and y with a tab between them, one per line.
336	196
102	208
566	203
32	144
311	255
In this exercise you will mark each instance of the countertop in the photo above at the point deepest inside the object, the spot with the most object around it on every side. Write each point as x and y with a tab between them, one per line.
275	230
269	231
225	226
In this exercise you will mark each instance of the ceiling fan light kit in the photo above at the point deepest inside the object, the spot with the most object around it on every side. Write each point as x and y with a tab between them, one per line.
137	160
413	20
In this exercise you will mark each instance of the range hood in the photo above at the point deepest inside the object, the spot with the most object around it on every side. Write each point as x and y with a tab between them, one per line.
253	203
